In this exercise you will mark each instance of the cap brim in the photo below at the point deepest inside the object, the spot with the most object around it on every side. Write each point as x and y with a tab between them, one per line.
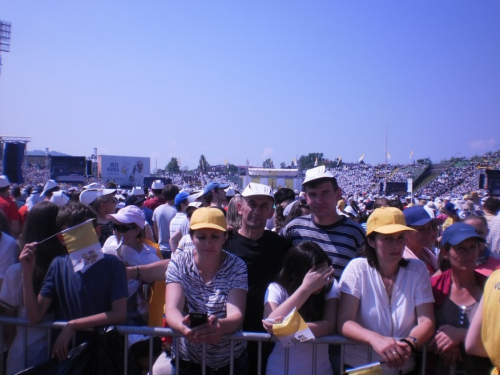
391	229
207	226
455	240
423	222
312	178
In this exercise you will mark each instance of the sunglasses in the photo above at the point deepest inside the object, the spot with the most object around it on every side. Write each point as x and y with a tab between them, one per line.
467	214
122	228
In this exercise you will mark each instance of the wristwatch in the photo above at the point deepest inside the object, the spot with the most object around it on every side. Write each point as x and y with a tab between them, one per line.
414	339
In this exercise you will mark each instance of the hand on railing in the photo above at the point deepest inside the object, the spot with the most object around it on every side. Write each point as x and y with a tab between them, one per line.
268	323
211	333
395	353
60	348
208	333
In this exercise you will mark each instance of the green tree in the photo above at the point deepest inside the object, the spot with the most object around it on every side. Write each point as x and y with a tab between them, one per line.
308	161
268	163
232	168
173	166
282	165
203	165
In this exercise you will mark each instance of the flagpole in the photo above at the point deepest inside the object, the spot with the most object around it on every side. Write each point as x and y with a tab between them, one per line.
386	137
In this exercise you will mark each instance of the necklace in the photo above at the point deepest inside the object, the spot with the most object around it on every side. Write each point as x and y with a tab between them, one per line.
389	283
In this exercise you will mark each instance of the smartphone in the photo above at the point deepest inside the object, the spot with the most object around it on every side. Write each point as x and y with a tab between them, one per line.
197	318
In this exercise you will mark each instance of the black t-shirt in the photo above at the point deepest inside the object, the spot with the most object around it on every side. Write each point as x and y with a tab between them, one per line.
264	260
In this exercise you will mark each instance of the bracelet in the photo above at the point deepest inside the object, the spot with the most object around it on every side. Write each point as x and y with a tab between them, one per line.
138	276
410	344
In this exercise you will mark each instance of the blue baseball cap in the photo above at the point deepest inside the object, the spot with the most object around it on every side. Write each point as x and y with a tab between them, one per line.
459	232
181	197
214	185
417	216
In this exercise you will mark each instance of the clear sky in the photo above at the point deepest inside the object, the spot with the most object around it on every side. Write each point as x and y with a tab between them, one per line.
242	80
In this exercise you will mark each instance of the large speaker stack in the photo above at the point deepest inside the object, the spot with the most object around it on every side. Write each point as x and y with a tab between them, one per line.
13	156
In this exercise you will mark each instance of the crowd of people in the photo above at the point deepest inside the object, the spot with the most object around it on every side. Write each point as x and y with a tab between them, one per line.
205	258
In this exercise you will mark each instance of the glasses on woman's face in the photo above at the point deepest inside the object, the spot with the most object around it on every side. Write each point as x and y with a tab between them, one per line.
122	228
467	214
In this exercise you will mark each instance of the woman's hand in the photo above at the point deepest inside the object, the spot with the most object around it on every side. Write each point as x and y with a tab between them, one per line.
268	324
60	348
209	333
315	279
447	337
451	356
394	353
187	331
27	258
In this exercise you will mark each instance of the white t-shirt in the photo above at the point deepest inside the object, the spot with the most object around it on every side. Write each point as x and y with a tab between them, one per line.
9	252
130	257
411	289
176	222
300	357
162	215
36	338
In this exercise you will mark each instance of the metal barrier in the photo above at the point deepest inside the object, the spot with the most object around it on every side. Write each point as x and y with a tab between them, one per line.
157	331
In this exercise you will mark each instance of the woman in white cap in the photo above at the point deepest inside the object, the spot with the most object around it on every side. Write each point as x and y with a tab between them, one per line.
205	298
386	301
129	243
457	292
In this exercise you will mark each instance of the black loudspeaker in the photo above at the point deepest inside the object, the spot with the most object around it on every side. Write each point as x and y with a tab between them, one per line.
88	167
13	155
482	180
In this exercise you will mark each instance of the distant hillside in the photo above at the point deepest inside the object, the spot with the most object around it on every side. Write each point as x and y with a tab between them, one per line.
42	153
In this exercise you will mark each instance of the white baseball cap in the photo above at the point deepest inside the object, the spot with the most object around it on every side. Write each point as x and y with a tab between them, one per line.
59	198
4	181
88	196
157	184
317	173
254	188
129	215
50	184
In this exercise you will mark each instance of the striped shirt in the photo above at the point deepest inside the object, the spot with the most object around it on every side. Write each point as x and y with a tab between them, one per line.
342	241
211	298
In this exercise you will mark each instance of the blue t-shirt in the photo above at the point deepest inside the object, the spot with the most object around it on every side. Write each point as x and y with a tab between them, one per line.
76	295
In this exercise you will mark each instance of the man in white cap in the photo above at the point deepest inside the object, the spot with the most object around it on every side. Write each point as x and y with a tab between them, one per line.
262	251
340	237
157	190
103	202
49	189
9	207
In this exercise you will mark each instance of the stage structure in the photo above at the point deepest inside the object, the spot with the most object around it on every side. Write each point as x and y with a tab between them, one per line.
4	39
12	151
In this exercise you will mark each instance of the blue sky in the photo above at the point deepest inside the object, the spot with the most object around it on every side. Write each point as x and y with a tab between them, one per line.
242	80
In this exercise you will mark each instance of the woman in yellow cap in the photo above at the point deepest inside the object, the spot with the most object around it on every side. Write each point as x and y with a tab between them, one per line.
207	286
386	301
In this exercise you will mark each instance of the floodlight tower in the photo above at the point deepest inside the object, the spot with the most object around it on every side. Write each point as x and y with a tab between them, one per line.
4	39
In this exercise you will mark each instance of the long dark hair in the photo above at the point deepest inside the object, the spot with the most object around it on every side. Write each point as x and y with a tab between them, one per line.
41	224
299	260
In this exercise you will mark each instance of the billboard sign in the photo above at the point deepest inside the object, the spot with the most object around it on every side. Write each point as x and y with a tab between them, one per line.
67	168
125	171
396	188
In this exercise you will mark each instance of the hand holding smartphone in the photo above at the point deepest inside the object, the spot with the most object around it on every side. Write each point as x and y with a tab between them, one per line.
197	318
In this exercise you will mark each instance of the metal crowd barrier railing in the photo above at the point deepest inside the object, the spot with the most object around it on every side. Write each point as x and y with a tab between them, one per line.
157	331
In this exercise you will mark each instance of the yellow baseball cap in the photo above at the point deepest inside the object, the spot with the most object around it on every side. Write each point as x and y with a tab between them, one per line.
386	220
208	217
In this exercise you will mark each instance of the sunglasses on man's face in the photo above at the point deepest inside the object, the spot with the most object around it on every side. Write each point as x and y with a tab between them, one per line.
467	214
122	228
